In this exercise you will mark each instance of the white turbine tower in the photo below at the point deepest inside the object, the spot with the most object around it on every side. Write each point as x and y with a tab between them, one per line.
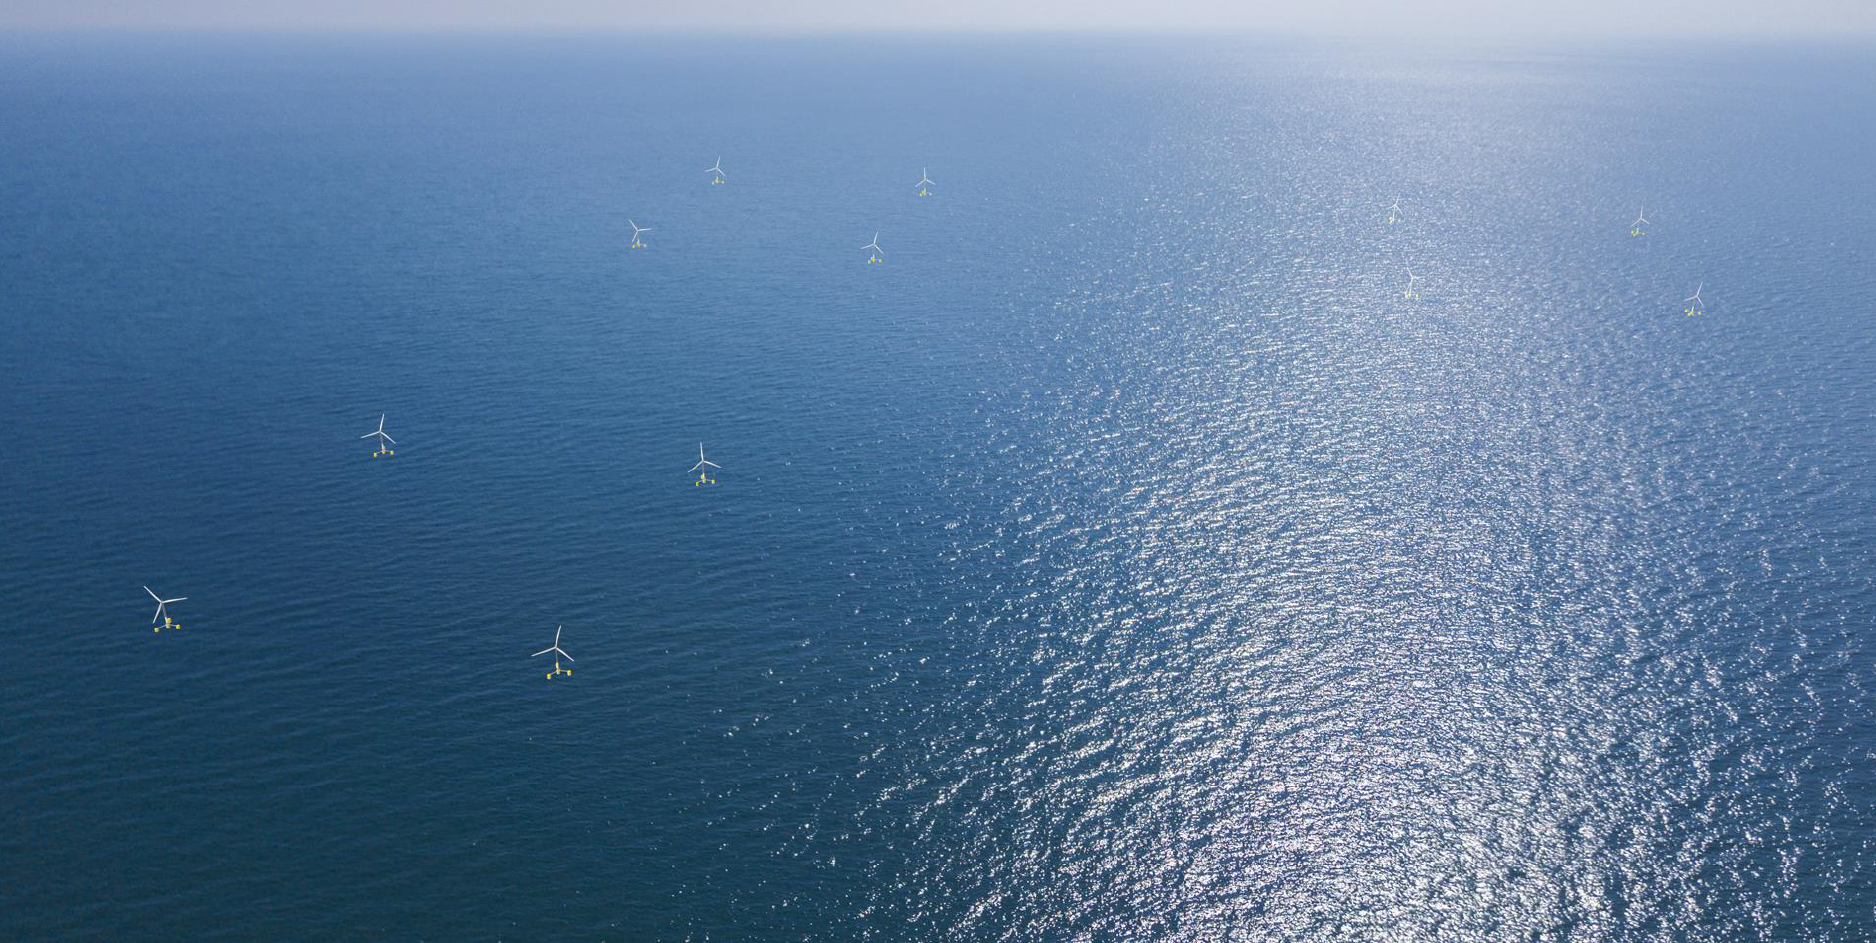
1641	219
703	477
380	434
1411	278
558	654
716	170
878	253
1393	212
1696	306
637	230
924	183
162	611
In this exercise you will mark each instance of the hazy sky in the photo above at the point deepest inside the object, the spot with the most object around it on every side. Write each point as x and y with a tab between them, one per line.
1563	18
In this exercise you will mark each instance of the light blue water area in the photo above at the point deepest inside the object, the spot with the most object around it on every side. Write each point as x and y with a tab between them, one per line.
1125	558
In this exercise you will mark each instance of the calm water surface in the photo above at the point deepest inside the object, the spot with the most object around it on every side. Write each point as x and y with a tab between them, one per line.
1124	559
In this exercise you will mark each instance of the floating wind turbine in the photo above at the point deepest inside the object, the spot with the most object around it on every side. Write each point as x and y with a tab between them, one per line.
558	654
162	611
385	438
637	230
716	170
1411	278
703	477
1641	219
1693	302
924	183
873	247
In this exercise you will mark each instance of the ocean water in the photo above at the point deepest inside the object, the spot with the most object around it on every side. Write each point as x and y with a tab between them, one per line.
1124	559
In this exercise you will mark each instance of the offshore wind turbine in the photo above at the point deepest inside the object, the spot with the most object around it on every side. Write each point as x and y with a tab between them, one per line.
717	170
559	653
924	183
1641	219
162	611
703	477
1393	213
637	243
873	247
1411	278
380	434
1697	306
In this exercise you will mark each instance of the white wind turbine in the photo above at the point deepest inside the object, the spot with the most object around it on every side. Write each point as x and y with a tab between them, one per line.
1411	278
1641	219
717	170
703	477
637	230
380	434
924	184
1393	212
878	253
559	653
162	611
1697	306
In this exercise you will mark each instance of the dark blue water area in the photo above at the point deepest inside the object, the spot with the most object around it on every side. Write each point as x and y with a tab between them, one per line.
1125	558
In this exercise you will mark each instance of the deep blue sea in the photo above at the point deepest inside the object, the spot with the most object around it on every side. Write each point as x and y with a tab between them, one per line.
1125	558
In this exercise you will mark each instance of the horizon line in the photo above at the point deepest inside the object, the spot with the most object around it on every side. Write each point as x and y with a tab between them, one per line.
1836	36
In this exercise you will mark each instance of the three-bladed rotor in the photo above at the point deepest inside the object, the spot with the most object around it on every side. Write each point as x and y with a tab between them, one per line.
554	647
161	604
380	431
